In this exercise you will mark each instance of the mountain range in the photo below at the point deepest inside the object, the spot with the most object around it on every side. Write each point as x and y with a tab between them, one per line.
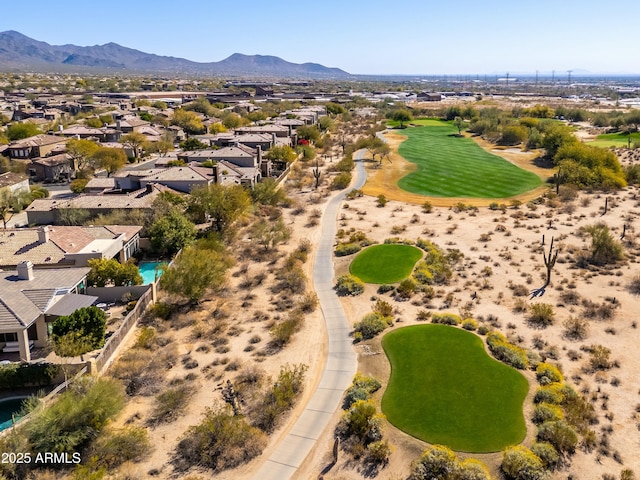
21	53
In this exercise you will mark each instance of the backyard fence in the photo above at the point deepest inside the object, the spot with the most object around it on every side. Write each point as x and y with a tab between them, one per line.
104	359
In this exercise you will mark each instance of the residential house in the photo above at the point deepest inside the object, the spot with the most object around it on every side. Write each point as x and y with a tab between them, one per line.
181	179
52	169
14	183
37	146
246	160
67	246
47	211
30	299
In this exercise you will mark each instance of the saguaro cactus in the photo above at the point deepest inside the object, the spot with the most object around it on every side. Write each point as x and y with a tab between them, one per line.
549	262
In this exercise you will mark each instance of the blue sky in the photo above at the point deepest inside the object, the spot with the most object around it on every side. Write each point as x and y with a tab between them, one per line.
362	37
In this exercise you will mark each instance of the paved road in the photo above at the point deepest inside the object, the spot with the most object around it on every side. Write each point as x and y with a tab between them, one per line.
341	362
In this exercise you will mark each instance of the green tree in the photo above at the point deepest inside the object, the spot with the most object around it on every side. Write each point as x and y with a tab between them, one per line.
111	159
18	131
195	271
267	192
402	115
190	122
171	232
193	144
219	203
81	152
7	202
88	324
460	124
136	141
308	132
106	271
232	120
269	234
335	108
556	137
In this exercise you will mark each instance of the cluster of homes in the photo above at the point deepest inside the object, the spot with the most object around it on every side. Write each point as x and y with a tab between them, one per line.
43	268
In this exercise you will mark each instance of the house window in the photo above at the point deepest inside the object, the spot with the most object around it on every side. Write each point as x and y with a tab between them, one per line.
8	337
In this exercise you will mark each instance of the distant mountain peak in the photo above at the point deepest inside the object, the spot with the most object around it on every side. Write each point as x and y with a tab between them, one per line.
19	52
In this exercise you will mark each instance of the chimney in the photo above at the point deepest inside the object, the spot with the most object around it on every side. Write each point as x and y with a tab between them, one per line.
25	270
149	187
43	234
118	124
259	155
273	139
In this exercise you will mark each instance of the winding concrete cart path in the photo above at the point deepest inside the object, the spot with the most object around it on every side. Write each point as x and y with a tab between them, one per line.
341	362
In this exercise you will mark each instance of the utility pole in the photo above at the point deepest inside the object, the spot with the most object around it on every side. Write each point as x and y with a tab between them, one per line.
507	83
569	76
553	76
536	78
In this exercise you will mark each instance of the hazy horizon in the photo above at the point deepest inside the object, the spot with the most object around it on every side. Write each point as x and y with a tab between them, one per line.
372	38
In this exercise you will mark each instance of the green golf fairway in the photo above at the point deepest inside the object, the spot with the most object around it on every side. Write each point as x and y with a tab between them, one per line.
620	139
452	166
385	263
445	389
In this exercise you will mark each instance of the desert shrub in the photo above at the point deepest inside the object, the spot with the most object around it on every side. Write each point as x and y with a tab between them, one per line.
344	249
440	462
506	352
345	165
291	278
634	285
219	442
348	285
427	207
361	389
385	288
308	303
469	324
146	338
575	328
378	452
383	307
76	416
520	463
371	325
169	405
445	318
519	290
162	310
547	373
555	393
599	357
602	311
283	331
559	434
381	201
280	397
541	315
436	266
604	249
406	288
115	447
547	453
341	181
483	329
546	412
361	423
578	411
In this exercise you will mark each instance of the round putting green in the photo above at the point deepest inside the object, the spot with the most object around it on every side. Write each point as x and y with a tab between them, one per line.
445	389
388	263
454	166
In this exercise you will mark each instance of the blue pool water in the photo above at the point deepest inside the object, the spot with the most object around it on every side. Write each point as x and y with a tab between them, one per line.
148	271
7	407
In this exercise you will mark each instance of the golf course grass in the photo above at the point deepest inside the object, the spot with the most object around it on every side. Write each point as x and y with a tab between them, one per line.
445	389
388	263
453	166
620	139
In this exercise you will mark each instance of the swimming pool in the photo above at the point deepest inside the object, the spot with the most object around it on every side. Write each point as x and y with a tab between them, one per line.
148	271
7	408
